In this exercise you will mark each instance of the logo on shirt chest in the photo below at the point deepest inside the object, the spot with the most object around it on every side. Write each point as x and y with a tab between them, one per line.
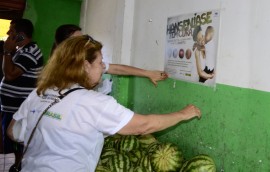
35	111
53	115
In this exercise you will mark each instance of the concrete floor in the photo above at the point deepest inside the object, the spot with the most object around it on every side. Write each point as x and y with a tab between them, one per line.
6	160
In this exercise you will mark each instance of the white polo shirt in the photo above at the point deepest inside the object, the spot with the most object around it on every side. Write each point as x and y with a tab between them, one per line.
69	138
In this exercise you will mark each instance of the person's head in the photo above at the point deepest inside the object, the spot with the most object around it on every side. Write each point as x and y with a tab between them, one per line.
63	32
21	27
209	33
198	36
77	60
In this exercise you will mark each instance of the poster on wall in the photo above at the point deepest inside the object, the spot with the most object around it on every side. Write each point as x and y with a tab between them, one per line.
191	47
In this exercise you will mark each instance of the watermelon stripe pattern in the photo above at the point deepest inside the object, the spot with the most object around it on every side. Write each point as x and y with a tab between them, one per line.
119	163
199	163
141	169
102	169
106	155
145	162
128	143
146	140
153	147
135	156
146	154
167	158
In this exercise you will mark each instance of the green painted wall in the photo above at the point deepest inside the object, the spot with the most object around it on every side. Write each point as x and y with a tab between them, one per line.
47	15
234	128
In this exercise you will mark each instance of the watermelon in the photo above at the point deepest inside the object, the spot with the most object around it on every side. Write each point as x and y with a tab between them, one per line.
119	163
145	162
152	147
199	163
110	141
101	168
106	154
135	156
141	169
146	140
128	143
167	157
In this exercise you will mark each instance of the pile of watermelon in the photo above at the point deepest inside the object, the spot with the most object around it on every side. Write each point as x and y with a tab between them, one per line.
145	154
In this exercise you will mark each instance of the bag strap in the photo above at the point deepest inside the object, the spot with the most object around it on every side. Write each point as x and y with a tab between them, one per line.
56	100
67	92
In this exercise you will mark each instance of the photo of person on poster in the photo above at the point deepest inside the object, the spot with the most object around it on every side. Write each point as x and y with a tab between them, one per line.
204	55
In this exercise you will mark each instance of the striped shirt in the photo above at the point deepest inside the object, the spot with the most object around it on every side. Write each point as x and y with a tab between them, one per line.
13	93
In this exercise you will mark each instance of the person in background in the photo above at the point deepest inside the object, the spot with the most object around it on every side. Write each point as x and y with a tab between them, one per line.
69	30
63	32
70	135
22	62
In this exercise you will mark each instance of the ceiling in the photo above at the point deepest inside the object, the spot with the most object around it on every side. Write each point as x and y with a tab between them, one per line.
12	9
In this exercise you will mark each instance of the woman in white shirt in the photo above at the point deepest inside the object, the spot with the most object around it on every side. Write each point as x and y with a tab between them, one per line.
70	135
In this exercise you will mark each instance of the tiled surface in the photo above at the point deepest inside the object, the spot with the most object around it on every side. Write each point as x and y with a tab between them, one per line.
6	160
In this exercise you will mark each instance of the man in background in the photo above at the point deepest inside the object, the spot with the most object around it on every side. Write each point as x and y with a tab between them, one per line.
22	62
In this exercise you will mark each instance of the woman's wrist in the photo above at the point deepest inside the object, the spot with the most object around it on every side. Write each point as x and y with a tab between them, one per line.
148	74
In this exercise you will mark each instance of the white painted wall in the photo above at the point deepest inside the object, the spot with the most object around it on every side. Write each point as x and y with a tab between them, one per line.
260	41
100	20
133	32
110	22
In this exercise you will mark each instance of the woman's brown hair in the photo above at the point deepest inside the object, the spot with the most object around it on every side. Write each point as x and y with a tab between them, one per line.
66	65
